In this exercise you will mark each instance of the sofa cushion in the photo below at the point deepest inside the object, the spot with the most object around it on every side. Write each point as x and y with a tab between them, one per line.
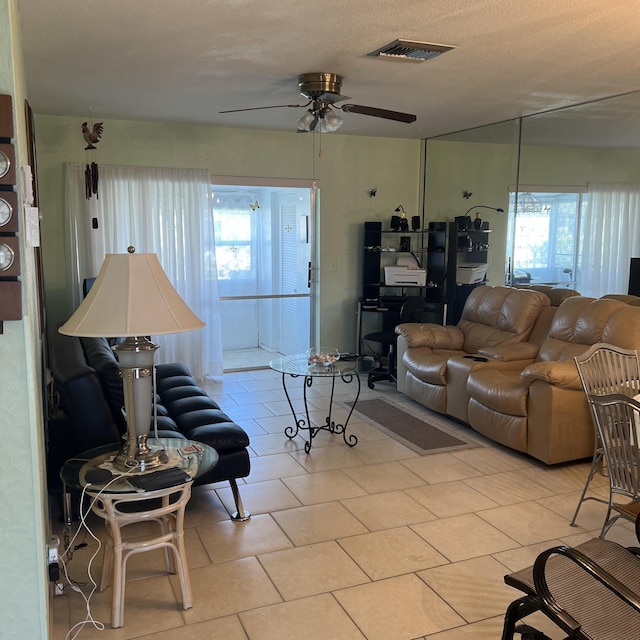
501	391
100	356
578	323
207	426
623	327
499	315
556	295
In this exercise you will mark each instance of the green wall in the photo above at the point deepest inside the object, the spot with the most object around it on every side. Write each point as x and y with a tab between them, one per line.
541	165
23	516
349	168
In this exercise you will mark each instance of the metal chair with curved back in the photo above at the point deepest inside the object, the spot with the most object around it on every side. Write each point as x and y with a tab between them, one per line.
604	370
617	418
411	311
590	592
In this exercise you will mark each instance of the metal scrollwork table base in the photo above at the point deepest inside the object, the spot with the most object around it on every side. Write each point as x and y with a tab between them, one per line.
348	371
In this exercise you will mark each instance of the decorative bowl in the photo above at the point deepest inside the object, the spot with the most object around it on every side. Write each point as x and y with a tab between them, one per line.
323	356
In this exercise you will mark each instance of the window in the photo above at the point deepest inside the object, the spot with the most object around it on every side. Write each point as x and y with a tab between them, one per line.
233	231
544	234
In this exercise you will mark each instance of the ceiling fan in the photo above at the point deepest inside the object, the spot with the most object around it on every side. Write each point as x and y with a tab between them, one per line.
323	92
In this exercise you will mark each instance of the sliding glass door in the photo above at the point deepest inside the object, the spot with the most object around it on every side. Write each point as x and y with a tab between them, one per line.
264	241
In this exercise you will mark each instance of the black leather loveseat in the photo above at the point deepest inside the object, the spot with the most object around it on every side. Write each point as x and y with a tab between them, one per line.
87	380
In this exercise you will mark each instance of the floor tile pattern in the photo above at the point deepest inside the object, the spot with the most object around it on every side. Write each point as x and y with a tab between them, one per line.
366	543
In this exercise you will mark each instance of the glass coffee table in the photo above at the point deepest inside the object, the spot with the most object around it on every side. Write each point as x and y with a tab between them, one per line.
297	366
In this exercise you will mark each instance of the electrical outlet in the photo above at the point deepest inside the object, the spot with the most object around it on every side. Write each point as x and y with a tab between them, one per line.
53	568
52	549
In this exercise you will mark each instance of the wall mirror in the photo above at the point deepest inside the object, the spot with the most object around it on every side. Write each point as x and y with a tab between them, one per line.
569	182
474	168
574	219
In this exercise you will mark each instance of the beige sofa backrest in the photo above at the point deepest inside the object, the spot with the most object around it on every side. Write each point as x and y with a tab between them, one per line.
557	295
623	328
580	322
634	301
499	315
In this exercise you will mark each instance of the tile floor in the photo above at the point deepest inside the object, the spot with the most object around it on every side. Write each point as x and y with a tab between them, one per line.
344	543
244	359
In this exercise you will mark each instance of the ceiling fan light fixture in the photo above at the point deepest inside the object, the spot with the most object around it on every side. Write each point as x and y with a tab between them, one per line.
325	119
305	121
332	120
323	92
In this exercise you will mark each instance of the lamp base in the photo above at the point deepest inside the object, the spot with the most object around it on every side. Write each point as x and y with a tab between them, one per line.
135	359
140	456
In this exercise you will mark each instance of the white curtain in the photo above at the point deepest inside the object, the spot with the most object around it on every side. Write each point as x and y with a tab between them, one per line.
610	237
163	211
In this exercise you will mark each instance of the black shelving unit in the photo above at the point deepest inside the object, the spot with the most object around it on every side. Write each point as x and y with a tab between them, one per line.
382	248
436	258
466	247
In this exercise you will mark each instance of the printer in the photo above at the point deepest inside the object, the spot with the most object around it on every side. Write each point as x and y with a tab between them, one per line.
405	273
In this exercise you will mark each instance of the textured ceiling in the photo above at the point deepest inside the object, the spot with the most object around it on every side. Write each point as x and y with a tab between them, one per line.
184	61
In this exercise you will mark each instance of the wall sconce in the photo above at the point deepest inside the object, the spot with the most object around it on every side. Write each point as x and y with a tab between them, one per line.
484	206
399	221
477	223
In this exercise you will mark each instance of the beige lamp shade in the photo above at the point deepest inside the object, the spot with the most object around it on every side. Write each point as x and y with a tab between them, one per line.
132	296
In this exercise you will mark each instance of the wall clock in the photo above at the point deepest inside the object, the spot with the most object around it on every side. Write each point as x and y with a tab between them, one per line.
8	212
7	164
9	257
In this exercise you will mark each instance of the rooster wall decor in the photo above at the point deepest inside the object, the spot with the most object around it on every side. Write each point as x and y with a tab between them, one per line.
92	136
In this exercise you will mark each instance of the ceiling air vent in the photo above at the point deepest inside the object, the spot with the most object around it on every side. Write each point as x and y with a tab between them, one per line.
410	50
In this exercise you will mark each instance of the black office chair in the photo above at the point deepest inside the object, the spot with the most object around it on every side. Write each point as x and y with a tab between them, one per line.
411	311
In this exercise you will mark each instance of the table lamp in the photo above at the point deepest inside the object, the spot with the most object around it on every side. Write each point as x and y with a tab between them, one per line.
133	298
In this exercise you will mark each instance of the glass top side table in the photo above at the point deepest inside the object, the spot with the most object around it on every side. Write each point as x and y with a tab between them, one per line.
74	470
348	371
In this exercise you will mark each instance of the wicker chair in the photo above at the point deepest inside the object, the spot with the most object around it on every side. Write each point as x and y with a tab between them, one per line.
605	369
591	592
162	507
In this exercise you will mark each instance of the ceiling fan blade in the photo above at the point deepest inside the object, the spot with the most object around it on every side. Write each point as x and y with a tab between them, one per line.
275	106
378	113
332	98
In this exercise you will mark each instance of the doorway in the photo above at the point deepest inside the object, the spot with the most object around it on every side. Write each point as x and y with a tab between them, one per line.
265	263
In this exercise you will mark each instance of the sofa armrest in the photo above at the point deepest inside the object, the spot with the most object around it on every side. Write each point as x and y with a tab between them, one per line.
430	334
511	352
558	373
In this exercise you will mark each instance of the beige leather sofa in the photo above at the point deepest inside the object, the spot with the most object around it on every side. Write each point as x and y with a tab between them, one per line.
434	362
524	391
538	406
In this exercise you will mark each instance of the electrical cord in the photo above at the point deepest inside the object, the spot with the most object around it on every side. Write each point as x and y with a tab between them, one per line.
75	630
